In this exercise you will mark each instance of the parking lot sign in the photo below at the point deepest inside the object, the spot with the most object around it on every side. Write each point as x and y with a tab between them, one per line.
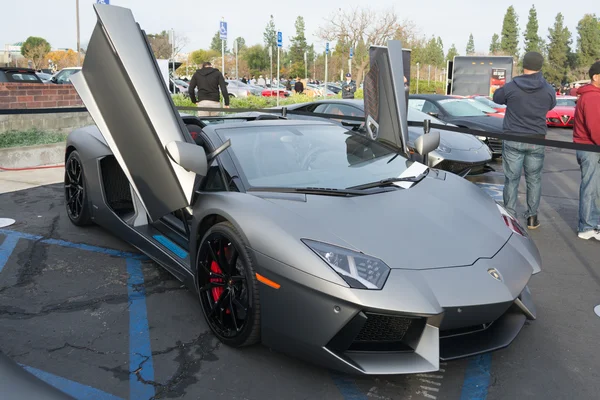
351	52
327	48
223	30
103	2
279	39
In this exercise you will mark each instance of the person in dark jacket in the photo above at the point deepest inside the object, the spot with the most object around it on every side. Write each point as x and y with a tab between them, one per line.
348	87
208	80
298	86
528	99
586	130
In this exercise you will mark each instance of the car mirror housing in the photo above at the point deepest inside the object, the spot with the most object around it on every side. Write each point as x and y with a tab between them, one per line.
427	143
190	156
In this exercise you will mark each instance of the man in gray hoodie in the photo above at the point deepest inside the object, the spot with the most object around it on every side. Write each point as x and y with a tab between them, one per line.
528	99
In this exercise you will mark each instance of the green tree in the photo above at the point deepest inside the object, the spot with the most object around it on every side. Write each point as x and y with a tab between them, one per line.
510	33
495	45
452	52
257	58
215	43
533	41
470	45
241	43
270	35
558	51
588	41
200	56
298	47
35	48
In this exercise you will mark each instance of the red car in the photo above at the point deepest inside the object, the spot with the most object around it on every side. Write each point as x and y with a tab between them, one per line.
275	92
487	100
563	115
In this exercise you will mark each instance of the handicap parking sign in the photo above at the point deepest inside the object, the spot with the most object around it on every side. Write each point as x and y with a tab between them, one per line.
103	2
279	39
223	30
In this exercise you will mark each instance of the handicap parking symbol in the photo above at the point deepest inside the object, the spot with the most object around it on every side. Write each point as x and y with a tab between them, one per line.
493	190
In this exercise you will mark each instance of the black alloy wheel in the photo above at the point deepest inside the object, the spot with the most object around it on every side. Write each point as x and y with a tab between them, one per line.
227	287
75	191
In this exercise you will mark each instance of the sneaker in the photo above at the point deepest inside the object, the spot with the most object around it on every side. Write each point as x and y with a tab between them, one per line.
533	222
587	235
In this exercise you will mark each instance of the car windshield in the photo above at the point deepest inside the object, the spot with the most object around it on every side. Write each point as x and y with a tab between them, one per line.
565	102
310	156
415	115
461	108
486	109
488	102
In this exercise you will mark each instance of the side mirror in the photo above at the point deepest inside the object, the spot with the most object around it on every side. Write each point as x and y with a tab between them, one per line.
427	143
53	79
190	156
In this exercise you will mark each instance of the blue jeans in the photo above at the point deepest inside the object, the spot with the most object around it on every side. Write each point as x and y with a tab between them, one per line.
589	191
515	157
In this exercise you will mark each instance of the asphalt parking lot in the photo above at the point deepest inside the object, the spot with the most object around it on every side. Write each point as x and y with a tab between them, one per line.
90	315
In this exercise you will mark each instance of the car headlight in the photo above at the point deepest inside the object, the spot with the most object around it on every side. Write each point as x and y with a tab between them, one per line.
442	148
511	222
359	270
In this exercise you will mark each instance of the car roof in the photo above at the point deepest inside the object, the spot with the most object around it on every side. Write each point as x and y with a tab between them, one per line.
431	96
31	70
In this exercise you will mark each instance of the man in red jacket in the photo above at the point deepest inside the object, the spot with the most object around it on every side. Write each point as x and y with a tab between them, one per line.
587	131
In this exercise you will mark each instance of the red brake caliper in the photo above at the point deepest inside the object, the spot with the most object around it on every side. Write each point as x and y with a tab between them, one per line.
218	290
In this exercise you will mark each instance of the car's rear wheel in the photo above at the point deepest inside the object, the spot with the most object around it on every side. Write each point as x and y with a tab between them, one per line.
76	197
227	287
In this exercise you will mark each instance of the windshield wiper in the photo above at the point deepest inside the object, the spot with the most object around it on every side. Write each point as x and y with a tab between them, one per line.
310	190
390	181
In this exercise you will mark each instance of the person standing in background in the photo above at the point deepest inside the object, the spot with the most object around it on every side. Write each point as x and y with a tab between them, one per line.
298	86
348	87
208	80
586	130
528	98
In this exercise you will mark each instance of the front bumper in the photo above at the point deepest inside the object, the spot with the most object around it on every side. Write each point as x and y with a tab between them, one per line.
418	318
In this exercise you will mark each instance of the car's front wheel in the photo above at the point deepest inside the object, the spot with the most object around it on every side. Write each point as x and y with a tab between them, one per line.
76	197
227	286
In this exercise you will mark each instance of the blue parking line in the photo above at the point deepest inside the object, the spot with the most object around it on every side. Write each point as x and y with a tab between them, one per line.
6	249
347	387
140	351
80	246
74	389
477	378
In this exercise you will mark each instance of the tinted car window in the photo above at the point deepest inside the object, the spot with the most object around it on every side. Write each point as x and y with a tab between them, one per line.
22	77
460	108
309	156
343	109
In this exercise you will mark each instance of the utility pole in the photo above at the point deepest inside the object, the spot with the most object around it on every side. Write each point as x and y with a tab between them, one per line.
235	44
271	65
325	85
418	73
78	43
305	66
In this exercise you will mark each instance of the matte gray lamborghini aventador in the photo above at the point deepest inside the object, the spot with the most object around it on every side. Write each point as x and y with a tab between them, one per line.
336	247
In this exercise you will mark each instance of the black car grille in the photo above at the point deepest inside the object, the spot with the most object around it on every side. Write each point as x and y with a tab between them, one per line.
495	145
383	328
116	186
372	332
457	167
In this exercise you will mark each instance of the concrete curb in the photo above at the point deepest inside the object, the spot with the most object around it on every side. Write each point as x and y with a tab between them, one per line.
32	156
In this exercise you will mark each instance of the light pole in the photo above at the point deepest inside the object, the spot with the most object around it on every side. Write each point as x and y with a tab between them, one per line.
271	64
325	85
418	74
223	50
235	44
78	43
305	66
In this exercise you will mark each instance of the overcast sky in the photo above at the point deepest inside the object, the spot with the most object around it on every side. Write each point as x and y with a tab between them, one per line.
452	20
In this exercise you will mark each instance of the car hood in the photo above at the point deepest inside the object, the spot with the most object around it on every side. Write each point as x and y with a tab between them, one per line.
486	122
563	110
437	223
454	140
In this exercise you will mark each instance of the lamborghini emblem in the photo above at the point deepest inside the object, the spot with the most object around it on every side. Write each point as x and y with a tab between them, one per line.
495	274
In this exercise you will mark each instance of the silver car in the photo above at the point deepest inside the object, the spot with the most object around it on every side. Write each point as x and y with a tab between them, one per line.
316	241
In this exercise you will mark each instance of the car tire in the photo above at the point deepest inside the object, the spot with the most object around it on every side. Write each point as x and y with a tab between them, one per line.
76	193
215	287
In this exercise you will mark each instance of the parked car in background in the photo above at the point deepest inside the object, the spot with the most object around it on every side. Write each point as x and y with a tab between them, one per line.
64	75
45	77
461	113
563	115
240	89
19	75
487	100
485	108
458	153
